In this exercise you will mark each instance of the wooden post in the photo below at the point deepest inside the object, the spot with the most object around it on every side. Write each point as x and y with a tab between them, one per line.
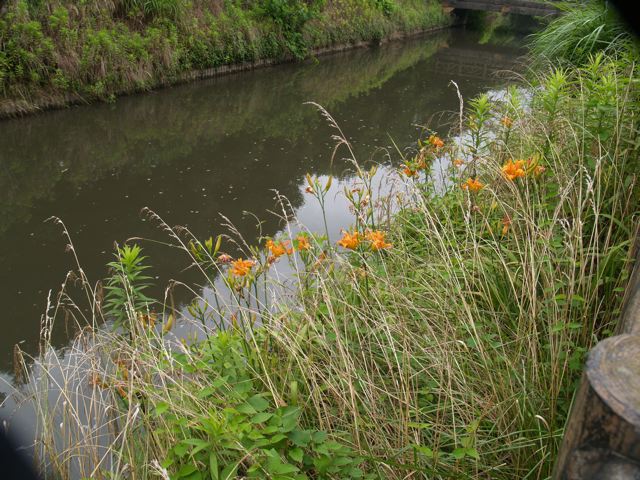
602	437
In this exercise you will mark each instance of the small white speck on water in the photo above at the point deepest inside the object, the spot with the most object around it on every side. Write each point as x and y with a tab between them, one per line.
160	193
148	179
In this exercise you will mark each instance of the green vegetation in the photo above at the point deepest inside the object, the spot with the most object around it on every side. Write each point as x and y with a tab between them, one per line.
444	341
581	32
96	49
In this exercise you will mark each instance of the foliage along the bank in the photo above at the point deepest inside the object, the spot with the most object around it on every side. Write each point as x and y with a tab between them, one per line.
97	49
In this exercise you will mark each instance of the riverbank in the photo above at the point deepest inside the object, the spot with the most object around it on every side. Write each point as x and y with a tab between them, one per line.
56	53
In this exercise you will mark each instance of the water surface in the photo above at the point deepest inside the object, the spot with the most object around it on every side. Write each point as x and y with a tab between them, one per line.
196	150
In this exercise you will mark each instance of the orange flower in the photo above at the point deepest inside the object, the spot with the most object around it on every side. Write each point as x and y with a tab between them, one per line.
506	223
421	159
514	169
278	249
408	172
309	189
506	121
377	239
458	163
539	170
349	240
473	185
436	141
148	320
241	267
303	242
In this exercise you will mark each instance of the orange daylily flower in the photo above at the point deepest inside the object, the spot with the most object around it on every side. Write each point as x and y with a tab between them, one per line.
241	267
421	159
506	121
506	223
278	249
473	185
349	240
514	169
147	320
409	172
458	163
377	239
303	242
436	141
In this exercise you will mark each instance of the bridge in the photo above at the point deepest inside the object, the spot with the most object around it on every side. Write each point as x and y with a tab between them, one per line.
518	7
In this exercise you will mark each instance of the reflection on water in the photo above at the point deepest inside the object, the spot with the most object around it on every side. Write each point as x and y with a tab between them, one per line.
195	150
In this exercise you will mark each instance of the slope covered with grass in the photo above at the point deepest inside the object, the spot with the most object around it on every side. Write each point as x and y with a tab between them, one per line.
98	48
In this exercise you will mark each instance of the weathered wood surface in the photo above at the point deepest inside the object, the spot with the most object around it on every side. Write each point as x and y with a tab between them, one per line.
602	438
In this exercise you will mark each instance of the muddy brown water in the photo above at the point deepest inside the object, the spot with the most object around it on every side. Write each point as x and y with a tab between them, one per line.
196	150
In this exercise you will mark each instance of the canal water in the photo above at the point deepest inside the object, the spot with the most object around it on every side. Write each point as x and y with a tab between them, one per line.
195	151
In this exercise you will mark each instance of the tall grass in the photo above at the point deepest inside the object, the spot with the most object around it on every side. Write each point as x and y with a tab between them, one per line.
443	341
583	29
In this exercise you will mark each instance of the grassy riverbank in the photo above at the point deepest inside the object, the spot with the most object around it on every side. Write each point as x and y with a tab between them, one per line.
55	50
443	340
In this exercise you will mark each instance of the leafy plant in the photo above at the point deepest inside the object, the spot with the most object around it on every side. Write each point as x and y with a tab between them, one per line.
243	433
125	287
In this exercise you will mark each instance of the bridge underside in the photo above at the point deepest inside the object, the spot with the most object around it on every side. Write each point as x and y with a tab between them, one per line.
518	7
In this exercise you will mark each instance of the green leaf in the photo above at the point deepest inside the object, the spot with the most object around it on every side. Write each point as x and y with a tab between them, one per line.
296	454
258	403
318	437
276	466
161	408
229	472
213	466
186	470
246	408
473	453
302	438
261	417
426	451
458	453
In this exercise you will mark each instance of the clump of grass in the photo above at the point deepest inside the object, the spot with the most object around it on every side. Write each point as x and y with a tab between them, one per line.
444	341
583	29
